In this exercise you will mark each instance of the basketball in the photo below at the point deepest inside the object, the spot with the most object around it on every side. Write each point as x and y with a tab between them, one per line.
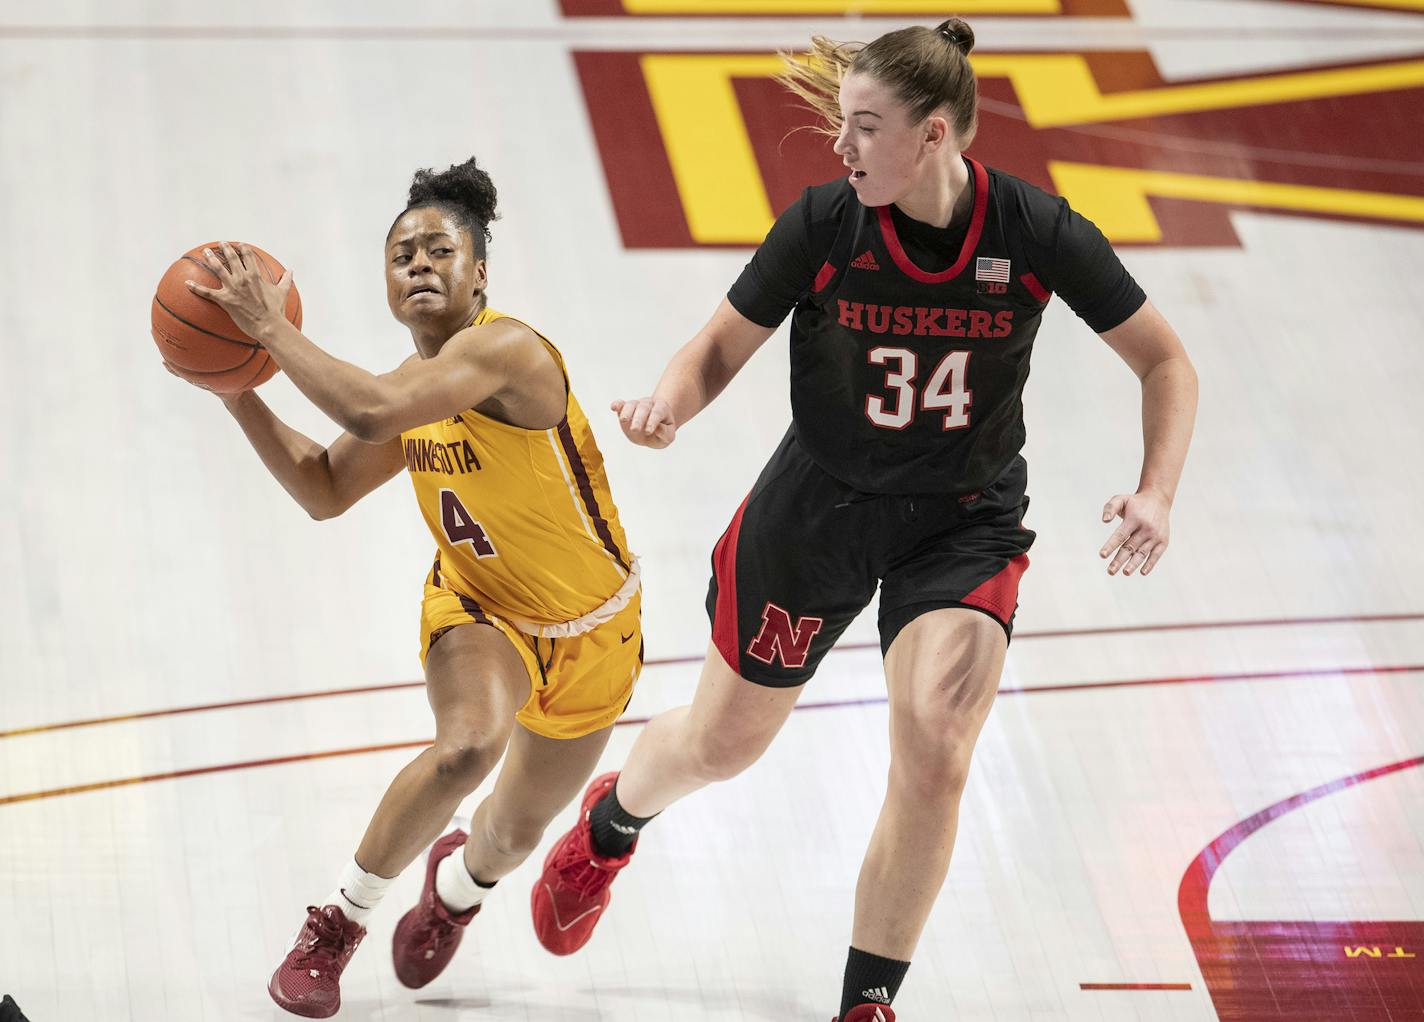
197	338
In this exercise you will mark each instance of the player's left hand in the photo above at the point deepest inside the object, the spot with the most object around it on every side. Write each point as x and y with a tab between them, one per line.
1141	540
253	301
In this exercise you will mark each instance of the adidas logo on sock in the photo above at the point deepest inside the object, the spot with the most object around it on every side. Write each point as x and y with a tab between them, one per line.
865	261
879	994
622	829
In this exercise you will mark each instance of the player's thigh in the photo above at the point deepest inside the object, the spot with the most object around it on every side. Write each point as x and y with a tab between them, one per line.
942	672
475	680
730	714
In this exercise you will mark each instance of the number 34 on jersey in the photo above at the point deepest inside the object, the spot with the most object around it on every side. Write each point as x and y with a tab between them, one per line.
946	389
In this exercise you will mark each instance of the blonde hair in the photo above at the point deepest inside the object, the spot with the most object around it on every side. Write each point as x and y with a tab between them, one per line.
927	68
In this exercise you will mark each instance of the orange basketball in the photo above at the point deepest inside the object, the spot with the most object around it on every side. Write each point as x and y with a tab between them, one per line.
199	340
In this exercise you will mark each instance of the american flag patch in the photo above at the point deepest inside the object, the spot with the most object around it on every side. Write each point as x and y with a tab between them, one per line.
991	269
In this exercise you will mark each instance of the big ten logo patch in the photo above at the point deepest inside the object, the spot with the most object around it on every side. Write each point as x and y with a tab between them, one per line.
702	149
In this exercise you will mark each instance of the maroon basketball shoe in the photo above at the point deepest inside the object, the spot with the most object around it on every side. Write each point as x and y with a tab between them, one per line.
427	935
308	982
869	1013
570	896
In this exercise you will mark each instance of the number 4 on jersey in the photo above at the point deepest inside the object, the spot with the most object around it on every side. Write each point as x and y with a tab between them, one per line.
461	527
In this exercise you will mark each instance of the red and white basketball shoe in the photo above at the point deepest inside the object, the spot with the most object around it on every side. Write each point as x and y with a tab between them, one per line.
869	1013
308	982
570	896
427	936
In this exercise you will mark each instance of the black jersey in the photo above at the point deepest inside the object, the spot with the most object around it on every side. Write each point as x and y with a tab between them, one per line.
910	344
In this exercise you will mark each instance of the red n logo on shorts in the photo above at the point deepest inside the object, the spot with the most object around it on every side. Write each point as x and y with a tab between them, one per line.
778	638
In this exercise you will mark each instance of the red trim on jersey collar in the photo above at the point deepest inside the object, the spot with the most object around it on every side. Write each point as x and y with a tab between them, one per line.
971	239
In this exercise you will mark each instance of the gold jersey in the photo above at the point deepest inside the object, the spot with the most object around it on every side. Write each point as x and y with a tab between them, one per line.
523	519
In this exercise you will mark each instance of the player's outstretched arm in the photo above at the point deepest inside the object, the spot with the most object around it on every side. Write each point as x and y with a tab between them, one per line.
1149	346
700	371
325	481
474	365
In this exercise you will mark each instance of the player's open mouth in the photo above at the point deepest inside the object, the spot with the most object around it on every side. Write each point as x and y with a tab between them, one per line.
421	291
857	175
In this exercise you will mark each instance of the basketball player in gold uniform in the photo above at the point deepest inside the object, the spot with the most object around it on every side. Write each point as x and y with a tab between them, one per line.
529	632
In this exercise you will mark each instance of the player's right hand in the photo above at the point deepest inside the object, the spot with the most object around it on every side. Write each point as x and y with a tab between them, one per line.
646	422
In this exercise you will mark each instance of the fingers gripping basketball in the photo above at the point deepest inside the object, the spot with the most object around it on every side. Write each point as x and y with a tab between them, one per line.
198	340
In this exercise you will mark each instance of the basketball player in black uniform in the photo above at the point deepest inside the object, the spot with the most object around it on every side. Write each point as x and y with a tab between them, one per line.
916	287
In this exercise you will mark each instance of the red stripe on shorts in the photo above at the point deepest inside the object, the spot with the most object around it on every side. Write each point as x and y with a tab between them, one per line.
1000	594
724	567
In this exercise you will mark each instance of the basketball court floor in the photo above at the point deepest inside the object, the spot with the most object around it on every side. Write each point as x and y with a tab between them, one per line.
1199	796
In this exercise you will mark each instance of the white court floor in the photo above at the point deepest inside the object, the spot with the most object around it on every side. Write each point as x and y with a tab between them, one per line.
203	693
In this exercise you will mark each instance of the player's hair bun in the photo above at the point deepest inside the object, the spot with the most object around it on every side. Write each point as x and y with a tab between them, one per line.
957	33
464	187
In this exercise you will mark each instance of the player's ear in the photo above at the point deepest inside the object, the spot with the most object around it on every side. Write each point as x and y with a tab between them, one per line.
936	131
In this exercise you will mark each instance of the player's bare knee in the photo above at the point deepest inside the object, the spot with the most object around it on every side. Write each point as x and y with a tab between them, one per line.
932	772
933	741
722	756
464	763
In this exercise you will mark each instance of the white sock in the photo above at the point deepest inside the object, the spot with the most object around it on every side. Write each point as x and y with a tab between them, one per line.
358	892
453	883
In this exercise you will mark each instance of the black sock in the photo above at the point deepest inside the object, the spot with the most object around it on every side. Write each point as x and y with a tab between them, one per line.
614	828
870	979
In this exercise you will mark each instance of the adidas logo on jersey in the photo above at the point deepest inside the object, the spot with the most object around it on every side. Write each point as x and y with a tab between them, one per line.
865	261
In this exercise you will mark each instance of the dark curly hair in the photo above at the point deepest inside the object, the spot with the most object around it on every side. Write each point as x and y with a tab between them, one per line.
465	191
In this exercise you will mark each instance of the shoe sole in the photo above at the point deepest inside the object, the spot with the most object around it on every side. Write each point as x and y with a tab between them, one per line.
297	1008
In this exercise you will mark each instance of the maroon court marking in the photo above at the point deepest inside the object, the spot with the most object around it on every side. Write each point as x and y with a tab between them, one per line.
1134	986
832	704
844	647
1301	970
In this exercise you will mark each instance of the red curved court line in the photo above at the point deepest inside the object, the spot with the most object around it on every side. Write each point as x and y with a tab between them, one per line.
1196	881
833	704
1134	986
667	661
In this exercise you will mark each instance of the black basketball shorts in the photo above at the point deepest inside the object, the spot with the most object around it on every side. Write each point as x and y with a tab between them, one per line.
804	554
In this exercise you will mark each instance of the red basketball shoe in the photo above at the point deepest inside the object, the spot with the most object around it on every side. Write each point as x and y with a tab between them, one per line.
869	1013
427	935
570	896
308	982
